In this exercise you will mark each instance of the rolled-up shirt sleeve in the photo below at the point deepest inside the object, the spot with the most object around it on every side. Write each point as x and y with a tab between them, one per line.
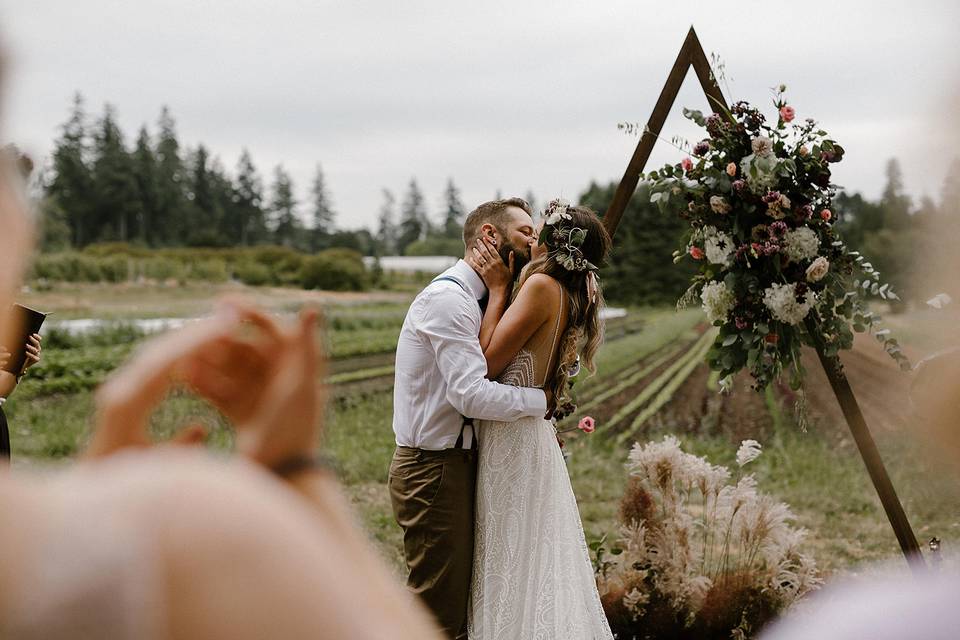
452	328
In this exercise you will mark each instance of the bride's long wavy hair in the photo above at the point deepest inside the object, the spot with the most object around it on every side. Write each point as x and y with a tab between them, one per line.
584	329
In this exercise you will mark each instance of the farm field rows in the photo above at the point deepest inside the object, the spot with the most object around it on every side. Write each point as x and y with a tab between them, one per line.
651	381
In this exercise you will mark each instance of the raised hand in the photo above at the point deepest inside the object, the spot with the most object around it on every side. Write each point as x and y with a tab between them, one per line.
126	400
266	384
487	262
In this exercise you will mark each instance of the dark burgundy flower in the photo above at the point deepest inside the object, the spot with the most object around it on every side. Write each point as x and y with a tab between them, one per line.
714	125
739	185
741	323
701	148
771	197
778	229
806	212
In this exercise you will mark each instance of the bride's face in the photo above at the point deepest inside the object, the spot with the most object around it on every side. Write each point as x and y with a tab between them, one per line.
538	250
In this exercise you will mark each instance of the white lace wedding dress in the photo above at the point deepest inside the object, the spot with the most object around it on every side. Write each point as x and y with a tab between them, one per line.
532	575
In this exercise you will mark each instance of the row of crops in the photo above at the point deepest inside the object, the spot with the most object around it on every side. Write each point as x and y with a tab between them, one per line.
360	341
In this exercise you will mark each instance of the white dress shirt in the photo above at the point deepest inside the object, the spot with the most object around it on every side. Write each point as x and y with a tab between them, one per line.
440	369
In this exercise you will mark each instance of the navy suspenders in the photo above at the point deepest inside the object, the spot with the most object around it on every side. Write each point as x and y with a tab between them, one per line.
465	421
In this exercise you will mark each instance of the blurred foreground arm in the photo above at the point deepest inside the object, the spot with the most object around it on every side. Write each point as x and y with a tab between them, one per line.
264	377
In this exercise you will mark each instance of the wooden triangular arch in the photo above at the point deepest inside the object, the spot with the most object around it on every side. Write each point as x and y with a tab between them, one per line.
692	55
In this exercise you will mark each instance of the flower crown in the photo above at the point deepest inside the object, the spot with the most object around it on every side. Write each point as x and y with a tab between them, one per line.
564	240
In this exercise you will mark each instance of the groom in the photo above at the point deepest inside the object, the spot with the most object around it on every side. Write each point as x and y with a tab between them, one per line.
440	387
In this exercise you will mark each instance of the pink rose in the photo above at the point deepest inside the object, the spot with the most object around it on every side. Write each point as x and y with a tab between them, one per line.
732	169
587	424
787	113
696	253
686	163
825	215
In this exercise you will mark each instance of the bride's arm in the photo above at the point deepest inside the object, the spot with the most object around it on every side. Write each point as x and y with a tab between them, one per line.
520	321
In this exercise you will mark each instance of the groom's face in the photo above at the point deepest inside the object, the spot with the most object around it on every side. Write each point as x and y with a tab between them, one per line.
518	237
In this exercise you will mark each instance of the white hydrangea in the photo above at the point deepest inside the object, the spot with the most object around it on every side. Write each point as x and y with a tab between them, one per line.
718	246
781	300
801	244
717	301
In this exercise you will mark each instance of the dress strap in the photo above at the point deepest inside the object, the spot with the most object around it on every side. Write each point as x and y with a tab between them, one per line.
556	335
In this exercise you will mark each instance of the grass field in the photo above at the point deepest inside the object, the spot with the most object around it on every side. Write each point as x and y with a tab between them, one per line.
651	382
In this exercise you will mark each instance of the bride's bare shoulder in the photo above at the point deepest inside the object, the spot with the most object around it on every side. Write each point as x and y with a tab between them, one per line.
541	286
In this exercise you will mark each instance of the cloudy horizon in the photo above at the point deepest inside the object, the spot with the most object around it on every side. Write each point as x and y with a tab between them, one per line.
505	97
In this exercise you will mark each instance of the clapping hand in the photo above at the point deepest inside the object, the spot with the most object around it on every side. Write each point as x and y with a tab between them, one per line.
266	383
129	396
260	373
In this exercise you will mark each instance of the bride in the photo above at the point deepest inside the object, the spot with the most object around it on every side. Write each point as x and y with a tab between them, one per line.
532	575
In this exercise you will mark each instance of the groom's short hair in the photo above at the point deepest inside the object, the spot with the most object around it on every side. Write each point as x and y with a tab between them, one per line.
493	212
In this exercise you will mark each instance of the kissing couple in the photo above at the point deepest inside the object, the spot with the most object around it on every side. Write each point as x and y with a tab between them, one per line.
491	531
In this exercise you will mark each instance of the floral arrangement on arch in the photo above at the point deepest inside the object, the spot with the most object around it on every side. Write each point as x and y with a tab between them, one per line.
772	269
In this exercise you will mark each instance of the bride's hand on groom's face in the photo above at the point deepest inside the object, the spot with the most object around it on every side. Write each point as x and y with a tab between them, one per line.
487	262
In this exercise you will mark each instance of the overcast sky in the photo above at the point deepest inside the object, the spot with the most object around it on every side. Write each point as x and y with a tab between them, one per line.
501	96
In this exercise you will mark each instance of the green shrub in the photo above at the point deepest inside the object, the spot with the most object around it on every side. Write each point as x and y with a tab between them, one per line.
208	271
162	269
115	269
335	270
435	246
252	273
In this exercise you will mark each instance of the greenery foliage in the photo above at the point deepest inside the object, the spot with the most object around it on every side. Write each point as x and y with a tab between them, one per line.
334	270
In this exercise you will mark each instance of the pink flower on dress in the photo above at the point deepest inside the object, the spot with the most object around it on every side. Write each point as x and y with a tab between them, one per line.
696	253
686	163
825	215
787	113
732	169
587	424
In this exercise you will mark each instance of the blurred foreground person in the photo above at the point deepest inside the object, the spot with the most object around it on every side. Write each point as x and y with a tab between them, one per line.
898	606
21	166
145	542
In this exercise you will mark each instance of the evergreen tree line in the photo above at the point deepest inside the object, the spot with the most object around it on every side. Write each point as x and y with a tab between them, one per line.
159	193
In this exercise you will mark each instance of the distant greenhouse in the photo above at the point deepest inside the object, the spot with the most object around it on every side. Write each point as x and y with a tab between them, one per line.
412	264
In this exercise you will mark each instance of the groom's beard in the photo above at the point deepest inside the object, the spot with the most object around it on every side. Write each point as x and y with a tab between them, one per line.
521	257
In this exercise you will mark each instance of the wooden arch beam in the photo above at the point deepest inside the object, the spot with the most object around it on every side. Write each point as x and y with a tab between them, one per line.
692	55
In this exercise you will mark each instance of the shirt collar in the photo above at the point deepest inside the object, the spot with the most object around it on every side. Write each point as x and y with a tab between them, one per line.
469	277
